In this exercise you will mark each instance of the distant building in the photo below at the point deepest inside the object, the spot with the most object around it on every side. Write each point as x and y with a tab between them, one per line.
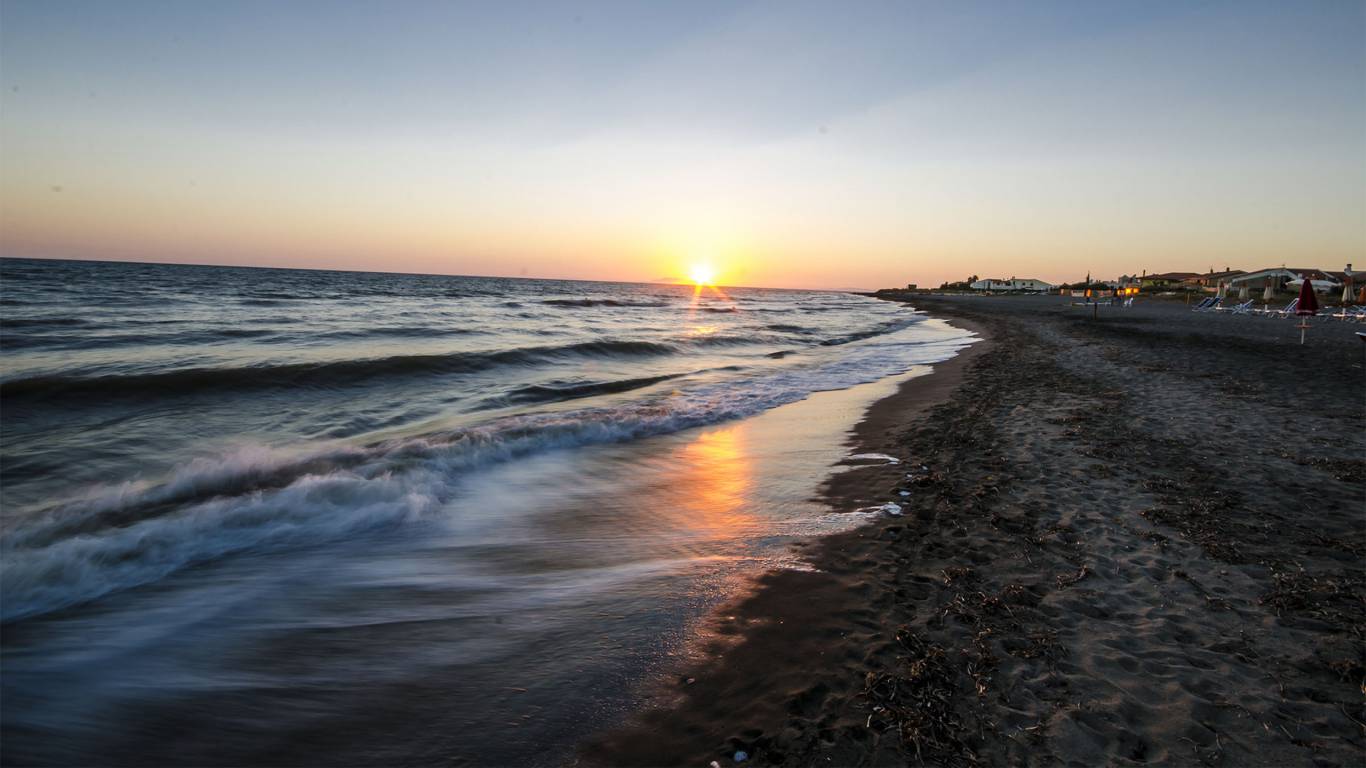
1025	284
1280	276
910	286
1211	280
1165	279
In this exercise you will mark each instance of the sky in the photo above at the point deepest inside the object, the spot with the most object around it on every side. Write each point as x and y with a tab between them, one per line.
786	144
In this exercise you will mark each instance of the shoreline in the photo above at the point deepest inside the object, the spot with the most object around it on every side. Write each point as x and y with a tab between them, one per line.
752	632
1137	539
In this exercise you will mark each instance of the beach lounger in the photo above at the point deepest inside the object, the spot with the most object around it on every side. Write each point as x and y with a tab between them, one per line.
1204	304
1242	309
1289	308
1350	313
1269	312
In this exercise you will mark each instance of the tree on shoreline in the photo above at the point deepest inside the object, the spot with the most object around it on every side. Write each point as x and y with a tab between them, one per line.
961	285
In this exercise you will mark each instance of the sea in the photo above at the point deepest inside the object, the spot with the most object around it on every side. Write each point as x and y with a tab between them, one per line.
311	517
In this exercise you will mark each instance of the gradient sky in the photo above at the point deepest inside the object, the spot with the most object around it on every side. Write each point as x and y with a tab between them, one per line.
789	144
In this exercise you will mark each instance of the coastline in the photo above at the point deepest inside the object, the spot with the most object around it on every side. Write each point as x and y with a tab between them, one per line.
767	639
1082	575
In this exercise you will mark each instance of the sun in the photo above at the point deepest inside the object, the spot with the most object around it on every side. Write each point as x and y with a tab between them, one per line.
702	274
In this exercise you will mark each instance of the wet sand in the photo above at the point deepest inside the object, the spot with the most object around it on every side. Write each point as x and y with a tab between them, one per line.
1135	538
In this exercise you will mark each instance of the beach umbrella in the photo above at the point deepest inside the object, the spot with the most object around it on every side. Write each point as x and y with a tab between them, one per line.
1269	292
1243	292
1309	303
1347	292
1361	297
1308	306
1221	291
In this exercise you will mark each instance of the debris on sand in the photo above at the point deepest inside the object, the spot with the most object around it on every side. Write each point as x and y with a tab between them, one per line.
1069	579
875	457
915	701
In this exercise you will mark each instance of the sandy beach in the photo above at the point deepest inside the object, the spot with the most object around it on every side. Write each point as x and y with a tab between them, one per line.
1130	538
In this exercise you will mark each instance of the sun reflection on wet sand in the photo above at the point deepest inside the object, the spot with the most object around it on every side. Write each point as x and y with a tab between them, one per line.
716	480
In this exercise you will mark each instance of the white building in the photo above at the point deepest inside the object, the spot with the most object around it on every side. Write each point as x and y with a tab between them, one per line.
1013	284
1290	277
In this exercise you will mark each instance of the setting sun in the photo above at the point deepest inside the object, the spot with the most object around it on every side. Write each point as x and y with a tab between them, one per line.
702	274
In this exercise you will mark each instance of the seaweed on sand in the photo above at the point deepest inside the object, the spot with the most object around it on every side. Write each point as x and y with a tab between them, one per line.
916	701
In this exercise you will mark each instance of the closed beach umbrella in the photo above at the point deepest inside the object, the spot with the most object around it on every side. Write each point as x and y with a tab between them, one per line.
1308	306
1361	297
1243	292
1269	292
1347	292
1309	303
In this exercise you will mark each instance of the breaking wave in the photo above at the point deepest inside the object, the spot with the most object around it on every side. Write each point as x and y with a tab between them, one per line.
327	374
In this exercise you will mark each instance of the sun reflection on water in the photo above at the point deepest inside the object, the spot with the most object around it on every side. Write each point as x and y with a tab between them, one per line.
718	478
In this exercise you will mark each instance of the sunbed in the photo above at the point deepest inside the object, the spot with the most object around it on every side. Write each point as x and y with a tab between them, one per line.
1289	308
1266	310
1282	312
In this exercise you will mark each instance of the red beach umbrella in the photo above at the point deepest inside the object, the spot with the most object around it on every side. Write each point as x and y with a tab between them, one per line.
1309	304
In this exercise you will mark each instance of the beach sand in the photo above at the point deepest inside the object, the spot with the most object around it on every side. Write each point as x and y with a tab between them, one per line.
1134	538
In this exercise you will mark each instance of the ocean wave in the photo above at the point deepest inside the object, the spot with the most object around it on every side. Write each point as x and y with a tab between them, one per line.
322	374
880	330
247	469
136	534
717	340
548	393
313	508
277	295
110	340
603	303
41	322
397	332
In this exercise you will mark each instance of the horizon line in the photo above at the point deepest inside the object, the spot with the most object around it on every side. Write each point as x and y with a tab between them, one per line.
678	281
